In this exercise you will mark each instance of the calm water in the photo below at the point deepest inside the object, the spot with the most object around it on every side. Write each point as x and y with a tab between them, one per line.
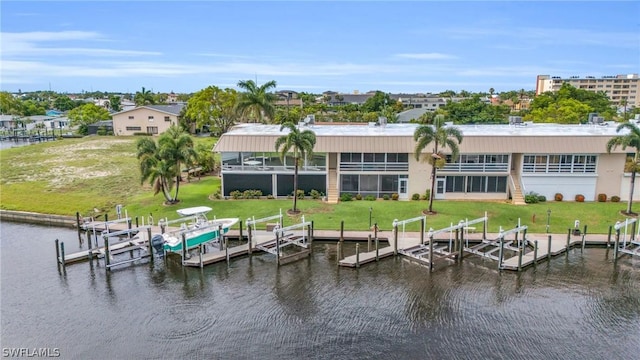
575	307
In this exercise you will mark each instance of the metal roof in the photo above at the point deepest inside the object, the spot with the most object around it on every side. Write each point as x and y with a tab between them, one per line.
527	138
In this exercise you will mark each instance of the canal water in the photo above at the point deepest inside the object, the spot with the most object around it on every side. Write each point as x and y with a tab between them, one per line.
578	306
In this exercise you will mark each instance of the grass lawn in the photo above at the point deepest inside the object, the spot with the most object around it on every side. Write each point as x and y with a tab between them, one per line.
71	175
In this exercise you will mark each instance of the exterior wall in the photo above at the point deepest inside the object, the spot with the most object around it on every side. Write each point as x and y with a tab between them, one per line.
569	186
625	185
141	120
475	196
617	87
610	176
419	176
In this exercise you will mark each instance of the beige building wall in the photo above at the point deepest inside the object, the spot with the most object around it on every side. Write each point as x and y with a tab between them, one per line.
419	176
610	175
142	120
617	87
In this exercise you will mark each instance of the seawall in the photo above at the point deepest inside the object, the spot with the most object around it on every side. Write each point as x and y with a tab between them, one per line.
37	218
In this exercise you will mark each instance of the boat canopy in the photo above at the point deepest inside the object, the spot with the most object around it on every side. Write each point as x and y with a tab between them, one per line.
194	210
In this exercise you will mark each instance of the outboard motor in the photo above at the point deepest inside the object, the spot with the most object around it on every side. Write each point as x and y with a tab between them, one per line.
157	241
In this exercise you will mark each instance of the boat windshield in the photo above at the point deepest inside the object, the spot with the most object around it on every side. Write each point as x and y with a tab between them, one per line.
198	210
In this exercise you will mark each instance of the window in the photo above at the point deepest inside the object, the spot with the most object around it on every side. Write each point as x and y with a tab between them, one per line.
349	183
455	183
559	163
130	117
167	118
150	117
496	184
133	128
152	129
476	183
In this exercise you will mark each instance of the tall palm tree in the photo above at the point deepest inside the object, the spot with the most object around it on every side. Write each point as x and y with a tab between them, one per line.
302	143
176	146
631	139
442	137
256	102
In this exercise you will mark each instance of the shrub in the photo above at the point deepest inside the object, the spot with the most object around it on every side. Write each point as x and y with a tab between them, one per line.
346	197
370	198
415	196
395	196
236	194
427	195
558	197
270	196
580	198
602	197
531	198
385	197
300	194
615	198
542	198
315	194
252	194
358	197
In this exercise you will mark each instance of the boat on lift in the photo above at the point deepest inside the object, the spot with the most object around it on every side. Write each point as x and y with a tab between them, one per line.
197	229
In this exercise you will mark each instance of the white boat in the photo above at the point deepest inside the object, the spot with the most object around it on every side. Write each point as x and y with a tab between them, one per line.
198	231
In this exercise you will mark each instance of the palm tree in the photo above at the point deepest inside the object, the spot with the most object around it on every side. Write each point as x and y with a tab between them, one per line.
442	137
302	143
632	139
176	146
161	163
144	97
256	101
158	171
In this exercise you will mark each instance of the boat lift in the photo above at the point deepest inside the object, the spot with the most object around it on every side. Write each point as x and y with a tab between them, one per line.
300	235
431	252
252	228
629	244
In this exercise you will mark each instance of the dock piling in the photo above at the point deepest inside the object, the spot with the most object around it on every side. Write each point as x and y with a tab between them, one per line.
584	233
549	248
369	243
249	238
226	248
79	227
501	253
107	260
430	252
535	252
568	240
615	246
609	236
200	255
357	255
57	251
520	252
377	250
184	247
278	248
395	239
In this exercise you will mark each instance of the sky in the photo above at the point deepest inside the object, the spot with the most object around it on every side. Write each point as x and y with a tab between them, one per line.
312	46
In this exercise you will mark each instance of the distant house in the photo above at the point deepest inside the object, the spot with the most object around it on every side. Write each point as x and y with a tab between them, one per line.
150	119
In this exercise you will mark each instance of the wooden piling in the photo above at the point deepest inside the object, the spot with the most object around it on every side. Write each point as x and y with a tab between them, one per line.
584	233
220	243
184	247
549	248
310	237
200	255
249	239
79	227
341	230
535	252
377	250
57	251
137	224
568	241
501	254
150	244
430	252
633	230
357	255
615	246
226	248
520	252
278	247
422	231
241	237
107	260
461	245
369	243
338	252
609	236
395	240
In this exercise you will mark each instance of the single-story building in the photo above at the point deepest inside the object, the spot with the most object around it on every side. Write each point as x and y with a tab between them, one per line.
149	119
496	162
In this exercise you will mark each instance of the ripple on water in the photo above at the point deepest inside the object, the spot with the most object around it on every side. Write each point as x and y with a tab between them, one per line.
178	321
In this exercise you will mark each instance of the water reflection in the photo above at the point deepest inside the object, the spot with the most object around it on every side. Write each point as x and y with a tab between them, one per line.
576	305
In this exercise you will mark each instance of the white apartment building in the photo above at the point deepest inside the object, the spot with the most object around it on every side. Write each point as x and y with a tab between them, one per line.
617	87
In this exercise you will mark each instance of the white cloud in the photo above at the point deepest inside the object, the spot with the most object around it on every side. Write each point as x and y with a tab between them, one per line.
426	56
